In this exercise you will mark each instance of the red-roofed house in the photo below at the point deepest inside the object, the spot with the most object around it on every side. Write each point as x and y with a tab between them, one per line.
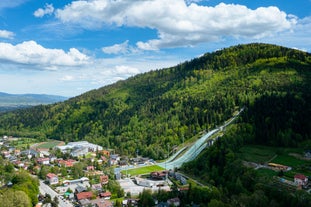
52	178
300	180
67	163
84	195
105	195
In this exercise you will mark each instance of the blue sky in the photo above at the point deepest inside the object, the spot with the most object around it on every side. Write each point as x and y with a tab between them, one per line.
67	47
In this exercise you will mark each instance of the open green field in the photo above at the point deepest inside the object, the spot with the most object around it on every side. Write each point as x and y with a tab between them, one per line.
288	160
142	170
48	144
262	154
256	153
266	172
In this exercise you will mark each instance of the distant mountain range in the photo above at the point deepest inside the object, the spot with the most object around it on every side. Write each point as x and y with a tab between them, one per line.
14	101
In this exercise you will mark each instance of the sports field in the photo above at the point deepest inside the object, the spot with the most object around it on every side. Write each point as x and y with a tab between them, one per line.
142	170
48	144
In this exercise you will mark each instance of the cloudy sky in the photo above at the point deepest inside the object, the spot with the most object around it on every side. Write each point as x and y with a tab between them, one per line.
68	47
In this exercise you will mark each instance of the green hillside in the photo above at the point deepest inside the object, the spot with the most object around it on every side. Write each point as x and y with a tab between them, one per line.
164	107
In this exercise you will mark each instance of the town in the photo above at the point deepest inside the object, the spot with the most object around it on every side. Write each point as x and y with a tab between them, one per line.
85	174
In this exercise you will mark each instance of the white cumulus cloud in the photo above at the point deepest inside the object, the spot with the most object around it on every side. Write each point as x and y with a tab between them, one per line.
48	9
33	54
6	34
178	23
122	48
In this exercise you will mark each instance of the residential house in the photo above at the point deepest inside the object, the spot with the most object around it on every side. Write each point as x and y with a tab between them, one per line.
90	168
106	195
66	163
11	149
102	203
300	180
160	175
52	158
43	161
105	153
12	158
30	153
114	159
83	180
6	154
130	202
104	179
19	164
97	187
43	152
95	203
80	188
85	203
84	195
52	178
17	152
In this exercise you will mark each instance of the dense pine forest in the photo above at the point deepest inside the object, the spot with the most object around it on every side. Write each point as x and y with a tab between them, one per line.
167	106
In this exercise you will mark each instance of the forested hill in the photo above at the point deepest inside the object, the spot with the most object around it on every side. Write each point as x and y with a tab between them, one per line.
165	107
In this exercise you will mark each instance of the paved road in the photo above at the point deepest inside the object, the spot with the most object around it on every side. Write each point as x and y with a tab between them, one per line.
195	149
43	188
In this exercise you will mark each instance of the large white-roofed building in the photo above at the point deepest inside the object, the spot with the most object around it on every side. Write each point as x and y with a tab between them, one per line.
80	148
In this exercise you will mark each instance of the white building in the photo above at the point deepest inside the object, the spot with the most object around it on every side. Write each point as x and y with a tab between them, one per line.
80	148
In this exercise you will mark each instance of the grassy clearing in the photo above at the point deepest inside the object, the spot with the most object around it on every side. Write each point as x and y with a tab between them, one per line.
256	153
266	172
288	160
262	154
142	170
